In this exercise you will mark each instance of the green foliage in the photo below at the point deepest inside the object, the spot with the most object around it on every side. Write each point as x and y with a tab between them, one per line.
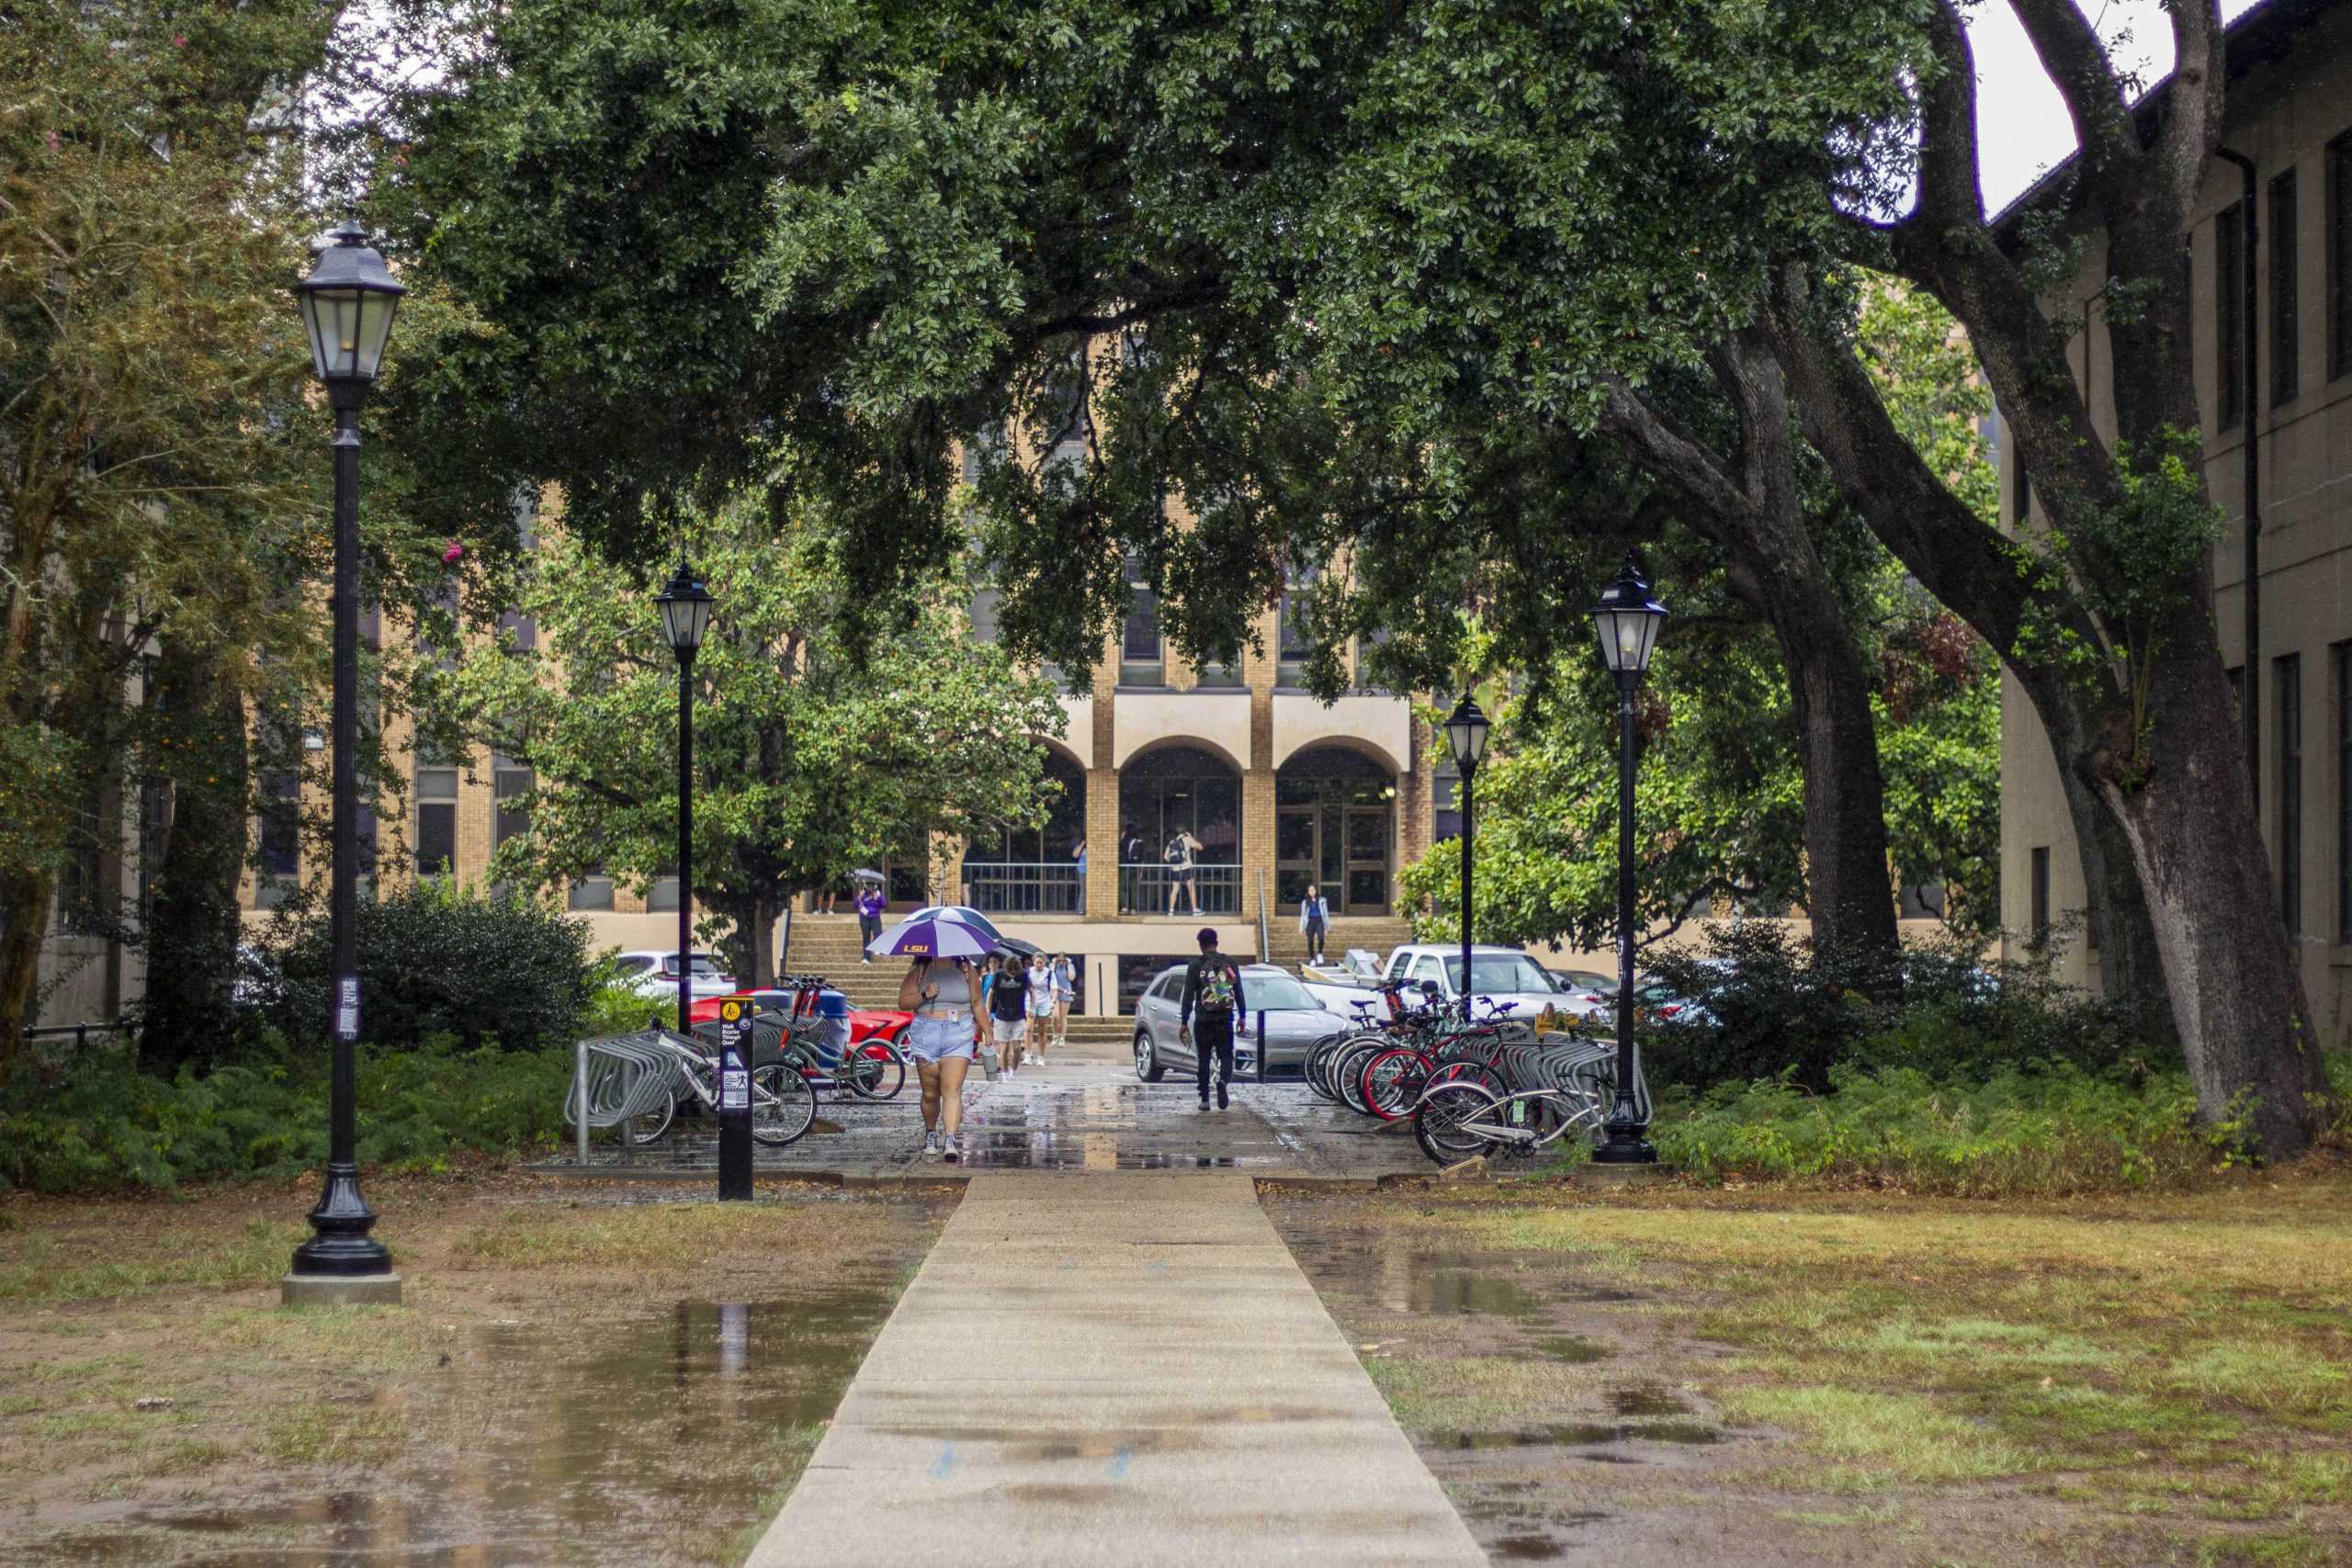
97	1122
1776	1009
439	959
2051	1132
808	761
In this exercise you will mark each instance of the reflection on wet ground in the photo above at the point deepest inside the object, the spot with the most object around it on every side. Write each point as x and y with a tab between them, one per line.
658	1438
1448	1319
1084	1116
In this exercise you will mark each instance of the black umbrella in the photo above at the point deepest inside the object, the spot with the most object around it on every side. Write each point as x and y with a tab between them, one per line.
1017	947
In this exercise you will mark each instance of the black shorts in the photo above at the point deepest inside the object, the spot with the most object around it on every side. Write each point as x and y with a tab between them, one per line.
1181	875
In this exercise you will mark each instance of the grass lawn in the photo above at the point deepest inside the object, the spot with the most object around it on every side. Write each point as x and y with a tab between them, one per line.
1761	1376
575	1374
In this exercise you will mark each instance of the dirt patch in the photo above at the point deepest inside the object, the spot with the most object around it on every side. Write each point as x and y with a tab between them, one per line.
578	1376
1763	1379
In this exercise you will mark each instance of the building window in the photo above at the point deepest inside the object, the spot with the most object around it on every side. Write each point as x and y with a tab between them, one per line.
592	889
2037	919
2344	792
436	820
1141	662
2339	255
2228	315
520	630
1293	646
2286	369
2287	679
662	898
509	818
985	615
281	837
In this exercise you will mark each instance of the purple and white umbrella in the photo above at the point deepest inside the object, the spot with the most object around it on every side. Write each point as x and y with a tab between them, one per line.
935	935
961	912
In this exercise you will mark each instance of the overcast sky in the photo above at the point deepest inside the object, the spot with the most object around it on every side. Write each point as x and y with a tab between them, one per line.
2020	121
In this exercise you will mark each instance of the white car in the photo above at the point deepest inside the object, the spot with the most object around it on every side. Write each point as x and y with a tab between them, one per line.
1504	981
655	974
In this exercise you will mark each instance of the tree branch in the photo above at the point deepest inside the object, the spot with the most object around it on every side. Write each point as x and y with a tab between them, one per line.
2071	51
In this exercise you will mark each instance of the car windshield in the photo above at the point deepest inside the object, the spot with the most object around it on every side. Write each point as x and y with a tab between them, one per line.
1276	993
1493	972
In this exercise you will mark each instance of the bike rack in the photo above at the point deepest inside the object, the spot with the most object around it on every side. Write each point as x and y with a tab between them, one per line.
620	1076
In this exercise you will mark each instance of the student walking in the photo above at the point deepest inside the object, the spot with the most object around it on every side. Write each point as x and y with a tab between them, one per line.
1008	1014
1178	856
1040	982
870	905
1314	917
1205	1019
939	992
1065	993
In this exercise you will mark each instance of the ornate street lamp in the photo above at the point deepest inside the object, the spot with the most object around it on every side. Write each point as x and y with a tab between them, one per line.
1465	736
1627	619
347	305
686	616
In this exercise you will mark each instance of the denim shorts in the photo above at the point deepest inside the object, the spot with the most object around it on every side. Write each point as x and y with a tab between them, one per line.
934	1039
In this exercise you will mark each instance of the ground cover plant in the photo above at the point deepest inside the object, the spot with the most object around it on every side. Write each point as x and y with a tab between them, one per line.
1830	1378
571	1377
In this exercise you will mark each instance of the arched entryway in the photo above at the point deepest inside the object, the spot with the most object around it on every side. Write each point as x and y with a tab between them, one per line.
1033	871
1335	827
1171	790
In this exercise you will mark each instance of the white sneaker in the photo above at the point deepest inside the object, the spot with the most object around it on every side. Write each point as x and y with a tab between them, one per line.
953	1148
931	1145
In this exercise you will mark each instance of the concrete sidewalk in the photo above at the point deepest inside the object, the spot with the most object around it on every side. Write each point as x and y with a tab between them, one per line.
1113	1367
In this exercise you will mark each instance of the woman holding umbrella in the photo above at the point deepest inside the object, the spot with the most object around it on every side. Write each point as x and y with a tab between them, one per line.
940	987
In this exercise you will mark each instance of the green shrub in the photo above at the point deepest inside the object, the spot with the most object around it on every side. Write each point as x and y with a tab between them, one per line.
438	958
102	1123
1774	1007
2052	1130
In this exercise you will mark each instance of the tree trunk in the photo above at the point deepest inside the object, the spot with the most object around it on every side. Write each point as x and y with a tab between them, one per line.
193	929
24	921
1971	570
2236	990
762	941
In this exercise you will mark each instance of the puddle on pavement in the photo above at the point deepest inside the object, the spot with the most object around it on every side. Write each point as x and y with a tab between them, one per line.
583	1442
1112	1127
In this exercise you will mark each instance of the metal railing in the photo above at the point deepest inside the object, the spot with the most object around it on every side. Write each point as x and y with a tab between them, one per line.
1144	889
1023	887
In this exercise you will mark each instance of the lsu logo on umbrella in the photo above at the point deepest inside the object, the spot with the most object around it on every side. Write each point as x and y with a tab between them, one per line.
920	949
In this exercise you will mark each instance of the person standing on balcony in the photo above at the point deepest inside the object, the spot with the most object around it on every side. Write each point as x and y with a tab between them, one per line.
1078	854
1213	1000
870	905
1314	917
1180	850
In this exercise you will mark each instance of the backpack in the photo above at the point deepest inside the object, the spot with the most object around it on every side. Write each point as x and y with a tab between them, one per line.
1214	992
1174	854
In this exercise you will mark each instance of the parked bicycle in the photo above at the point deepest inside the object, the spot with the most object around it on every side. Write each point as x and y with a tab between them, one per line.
784	1104
800	1036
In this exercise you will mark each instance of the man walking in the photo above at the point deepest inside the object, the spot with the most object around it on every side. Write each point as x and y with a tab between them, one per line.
870	905
1212	1000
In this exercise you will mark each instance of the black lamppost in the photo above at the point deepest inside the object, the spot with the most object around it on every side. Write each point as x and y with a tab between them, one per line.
347	305
1465	734
685	616
1627	619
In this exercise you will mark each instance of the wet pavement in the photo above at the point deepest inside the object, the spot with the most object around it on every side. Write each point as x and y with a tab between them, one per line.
1078	1115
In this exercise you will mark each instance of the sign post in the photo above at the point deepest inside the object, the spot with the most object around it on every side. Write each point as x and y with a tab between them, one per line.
734	1100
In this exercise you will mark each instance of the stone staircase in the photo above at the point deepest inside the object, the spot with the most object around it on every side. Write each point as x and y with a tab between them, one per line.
1377	932
827	945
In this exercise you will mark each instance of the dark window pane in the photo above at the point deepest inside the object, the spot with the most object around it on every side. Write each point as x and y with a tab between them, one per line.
2339	255
2229	314
280	836
507	821
2286	369
437	837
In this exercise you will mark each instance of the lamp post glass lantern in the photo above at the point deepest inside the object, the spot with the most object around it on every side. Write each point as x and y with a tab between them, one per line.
348	301
1466	737
1627	620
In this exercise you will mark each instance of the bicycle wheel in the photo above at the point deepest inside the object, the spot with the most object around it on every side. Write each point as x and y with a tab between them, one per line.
784	1105
1347	1073
1445	1125
1392	1082
1318	1065
639	1131
874	1070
